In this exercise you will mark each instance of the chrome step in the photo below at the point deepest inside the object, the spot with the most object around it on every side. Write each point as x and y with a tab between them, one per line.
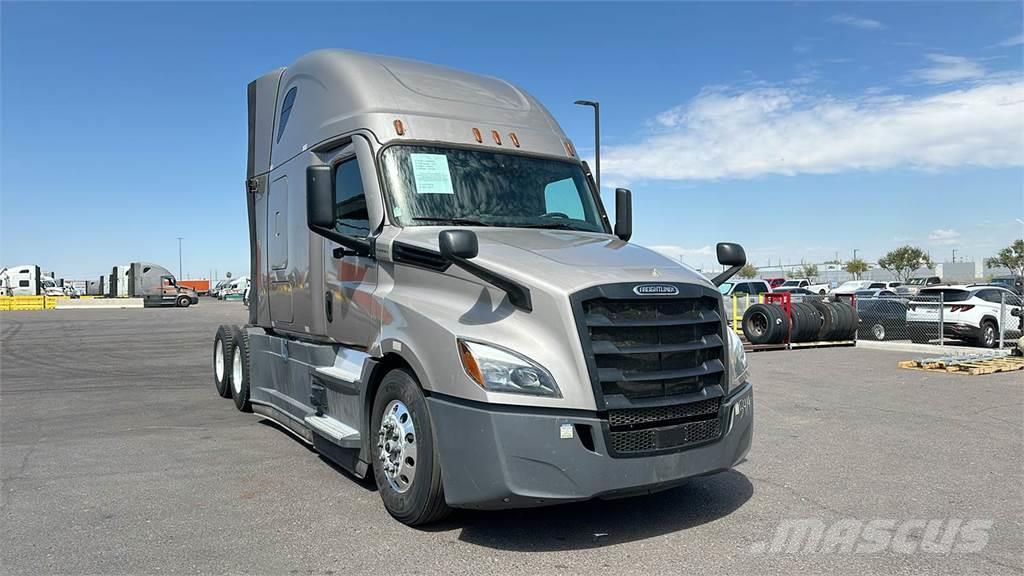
333	430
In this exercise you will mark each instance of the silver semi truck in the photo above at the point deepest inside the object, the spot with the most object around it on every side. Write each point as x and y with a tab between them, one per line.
439	300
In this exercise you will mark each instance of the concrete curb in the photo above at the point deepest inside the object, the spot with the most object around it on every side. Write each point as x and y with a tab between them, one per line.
931	349
99	303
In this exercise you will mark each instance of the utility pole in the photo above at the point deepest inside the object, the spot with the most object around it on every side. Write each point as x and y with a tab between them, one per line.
954	255
179	257
597	138
855	253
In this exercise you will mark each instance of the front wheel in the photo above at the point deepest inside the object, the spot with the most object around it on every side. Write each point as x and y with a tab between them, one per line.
405	463
184	302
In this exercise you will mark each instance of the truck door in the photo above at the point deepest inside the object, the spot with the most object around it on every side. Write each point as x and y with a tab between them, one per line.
281	310
349	280
168	290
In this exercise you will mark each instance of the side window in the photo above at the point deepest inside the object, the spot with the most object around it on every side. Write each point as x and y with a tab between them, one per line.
286	111
350	213
563	197
988	295
761	287
742	288
23	284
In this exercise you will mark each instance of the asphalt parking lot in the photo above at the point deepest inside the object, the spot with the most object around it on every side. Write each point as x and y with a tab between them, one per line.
117	456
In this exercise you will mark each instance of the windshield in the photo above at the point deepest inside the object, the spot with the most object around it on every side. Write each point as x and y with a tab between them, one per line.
947	294
431	186
724	287
916	281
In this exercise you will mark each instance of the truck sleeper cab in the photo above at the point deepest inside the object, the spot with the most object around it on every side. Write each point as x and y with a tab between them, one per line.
439	297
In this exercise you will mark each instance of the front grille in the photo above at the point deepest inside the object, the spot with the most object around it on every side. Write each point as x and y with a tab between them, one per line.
662	415
654	347
657	364
654	439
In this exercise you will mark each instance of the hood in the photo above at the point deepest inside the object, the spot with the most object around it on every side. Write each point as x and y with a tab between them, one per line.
563	260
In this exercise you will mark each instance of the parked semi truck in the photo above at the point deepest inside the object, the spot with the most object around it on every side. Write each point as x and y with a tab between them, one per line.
158	287
440	300
28	280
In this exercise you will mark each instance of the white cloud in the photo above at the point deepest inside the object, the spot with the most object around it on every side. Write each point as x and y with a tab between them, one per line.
857	22
1014	41
944	237
729	133
945	69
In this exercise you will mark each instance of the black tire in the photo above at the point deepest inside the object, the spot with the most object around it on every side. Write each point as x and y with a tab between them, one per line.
223	343
421	501
783	324
184	302
801	323
240	386
811	322
828	320
844	321
759	324
988	336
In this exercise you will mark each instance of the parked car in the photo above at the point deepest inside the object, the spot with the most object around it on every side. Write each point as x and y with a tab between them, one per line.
1014	283
775	282
914	285
805	283
882	315
743	287
794	291
974	314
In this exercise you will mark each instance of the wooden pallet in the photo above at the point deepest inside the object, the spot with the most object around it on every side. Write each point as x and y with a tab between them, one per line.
970	366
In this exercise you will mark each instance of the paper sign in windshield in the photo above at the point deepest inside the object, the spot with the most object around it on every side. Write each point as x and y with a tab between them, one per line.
430	171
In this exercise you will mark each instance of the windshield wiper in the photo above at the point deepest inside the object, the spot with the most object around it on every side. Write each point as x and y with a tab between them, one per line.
455	221
548	226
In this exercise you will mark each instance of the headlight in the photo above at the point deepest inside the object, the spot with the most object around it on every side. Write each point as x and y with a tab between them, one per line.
499	370
737	361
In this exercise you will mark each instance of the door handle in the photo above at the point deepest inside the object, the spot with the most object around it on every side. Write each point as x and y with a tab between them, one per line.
329	306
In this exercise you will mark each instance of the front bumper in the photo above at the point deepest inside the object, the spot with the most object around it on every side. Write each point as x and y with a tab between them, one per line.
496	457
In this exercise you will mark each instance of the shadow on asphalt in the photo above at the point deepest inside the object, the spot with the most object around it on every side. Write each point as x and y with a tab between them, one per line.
599	523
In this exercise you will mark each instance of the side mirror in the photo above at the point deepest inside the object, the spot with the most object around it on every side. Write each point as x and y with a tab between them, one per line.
730	254
319	197
320	213
458	244
623	214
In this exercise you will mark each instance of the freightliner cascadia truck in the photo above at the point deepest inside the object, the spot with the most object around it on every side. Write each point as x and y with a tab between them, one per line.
440	301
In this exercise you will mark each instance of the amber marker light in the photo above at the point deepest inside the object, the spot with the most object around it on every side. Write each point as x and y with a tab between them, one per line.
399	128
470	365
476	134
496	136
515	139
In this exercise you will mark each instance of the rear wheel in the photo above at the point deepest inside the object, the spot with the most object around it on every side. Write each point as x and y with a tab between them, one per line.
988	338
223	352
406	467
240	370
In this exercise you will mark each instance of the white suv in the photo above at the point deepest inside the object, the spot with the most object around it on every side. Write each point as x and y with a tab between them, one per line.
975	313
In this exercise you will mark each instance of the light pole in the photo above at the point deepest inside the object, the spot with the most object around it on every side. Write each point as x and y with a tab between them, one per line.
855	250
954	255
179	257
597	138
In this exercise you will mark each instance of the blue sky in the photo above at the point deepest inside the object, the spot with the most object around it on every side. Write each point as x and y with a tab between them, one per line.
800	130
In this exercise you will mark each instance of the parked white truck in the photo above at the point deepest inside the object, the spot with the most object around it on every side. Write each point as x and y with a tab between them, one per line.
439	298
806	284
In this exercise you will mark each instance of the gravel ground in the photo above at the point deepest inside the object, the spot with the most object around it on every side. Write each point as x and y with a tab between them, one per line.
117	456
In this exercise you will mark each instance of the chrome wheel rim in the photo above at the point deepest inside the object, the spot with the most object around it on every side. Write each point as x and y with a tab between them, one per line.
218	361
396	445
879	331
990	336
236	370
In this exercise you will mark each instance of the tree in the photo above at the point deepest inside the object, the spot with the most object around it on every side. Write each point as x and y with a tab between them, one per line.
856	267
748	271
904	260
809	271
1011	257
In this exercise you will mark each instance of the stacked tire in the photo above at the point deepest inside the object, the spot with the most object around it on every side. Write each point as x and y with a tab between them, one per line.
810	321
